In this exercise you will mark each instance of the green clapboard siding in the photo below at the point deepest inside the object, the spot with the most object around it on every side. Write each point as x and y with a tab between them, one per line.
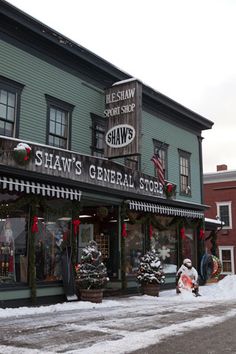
40	78
177	138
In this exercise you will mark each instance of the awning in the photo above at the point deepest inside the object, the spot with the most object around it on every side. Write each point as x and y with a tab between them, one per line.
164	210
29	187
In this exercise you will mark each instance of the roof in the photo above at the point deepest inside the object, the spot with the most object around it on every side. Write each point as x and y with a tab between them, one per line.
220	176
213	224
108	71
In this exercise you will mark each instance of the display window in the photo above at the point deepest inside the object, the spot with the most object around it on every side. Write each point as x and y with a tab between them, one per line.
54	230
134	246
165	244
100	223
13	240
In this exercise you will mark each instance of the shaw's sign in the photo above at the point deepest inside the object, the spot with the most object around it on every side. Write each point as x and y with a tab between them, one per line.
123	103
120	136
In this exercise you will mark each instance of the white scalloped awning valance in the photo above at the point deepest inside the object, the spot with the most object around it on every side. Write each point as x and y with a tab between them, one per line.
30	187
164	210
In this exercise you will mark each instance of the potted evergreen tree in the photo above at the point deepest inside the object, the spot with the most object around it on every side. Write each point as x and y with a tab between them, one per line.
150	273
91	274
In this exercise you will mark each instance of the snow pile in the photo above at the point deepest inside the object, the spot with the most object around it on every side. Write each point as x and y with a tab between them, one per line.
222	291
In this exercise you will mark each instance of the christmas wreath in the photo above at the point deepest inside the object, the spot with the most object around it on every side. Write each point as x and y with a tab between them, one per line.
22	153
217	267
169	189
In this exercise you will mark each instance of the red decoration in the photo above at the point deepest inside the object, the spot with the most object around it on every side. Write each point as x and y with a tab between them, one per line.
11	264
150	231
76	224
182	233
201	234
35	224
169	187
124	231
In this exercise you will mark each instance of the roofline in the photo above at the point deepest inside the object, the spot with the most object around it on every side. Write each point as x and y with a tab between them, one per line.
220	176
68	45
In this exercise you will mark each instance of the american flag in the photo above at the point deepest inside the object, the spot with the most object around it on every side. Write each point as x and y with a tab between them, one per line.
159	167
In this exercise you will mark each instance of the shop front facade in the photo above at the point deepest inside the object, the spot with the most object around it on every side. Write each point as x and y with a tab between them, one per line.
77	137
51	208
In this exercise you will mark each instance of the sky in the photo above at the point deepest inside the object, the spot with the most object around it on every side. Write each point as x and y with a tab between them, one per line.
184	49
118	320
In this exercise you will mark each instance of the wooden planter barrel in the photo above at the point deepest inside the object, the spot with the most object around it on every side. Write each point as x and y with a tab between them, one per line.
92	295
151	289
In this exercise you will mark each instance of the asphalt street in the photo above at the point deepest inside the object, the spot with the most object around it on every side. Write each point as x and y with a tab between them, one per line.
79	330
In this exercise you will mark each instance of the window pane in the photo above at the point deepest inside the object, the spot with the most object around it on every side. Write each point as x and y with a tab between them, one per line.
227	267
8	129
3	111
58	116
3	96
52	114
11	99
224	214
52	127
2	127
226	255
10	114
58	129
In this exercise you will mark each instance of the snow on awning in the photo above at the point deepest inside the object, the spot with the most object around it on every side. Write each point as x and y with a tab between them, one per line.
29	187
164	210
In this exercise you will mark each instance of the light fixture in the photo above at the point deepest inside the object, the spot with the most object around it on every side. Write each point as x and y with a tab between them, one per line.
85	216
64	218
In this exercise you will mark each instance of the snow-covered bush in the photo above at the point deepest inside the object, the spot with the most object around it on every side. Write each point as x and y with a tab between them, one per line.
91	273
150	269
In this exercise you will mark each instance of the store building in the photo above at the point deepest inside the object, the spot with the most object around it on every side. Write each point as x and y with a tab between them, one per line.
77	139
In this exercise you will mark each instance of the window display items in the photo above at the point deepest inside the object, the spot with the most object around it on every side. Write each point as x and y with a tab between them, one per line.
6	253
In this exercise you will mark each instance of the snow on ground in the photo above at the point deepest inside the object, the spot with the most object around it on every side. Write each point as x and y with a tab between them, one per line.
218	293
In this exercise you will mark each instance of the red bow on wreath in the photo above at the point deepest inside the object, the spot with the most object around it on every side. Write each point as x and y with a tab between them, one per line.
28	151
76	224
35	225
169	187
124	231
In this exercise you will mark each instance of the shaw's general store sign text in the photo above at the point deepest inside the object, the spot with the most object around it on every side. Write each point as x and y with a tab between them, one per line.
82	168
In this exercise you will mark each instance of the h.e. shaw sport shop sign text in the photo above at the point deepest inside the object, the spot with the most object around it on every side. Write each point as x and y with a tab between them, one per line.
66	165
123	113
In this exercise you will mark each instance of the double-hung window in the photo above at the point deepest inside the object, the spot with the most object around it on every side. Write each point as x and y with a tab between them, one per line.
161	149
59	116
226	255
224	212
185	176
10	92
98	135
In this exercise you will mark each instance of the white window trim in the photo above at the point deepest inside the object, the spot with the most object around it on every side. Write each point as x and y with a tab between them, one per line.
229	204
231	249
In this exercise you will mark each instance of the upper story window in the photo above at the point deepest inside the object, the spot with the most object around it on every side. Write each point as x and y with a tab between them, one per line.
59	116
98	135
184	168
224	212
10	92
162	149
